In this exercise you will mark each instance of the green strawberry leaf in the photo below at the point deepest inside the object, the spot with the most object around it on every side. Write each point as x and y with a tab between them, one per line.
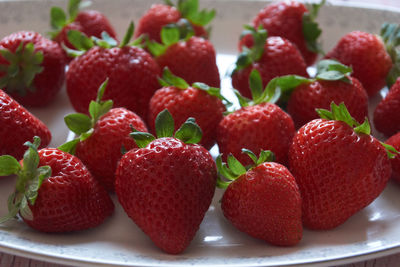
364	128
128	35
214	91
78	123
170	34
58	18
79	40
250	154
24	210
235	166
340	113
265	156
73	8
23	66
253	54
390	150
256	85
189	9
142	139
311	29
390	33
332	70
189	132
224	170
69	147
42	173
165	125
9	165
98	108
169	79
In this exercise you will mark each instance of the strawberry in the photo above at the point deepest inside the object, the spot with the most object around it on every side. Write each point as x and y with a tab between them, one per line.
166	186
31	68
339	167
290	20
89	22
17	126
386	114
199	101
186	12
272	57
132	73
192	58
54	191
332	83
374	59
102	136
394	141
262	200
258	125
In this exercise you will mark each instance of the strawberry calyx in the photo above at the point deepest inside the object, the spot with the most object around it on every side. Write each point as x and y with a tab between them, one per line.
169	79
23	66
81	124
189	132
170	34
58	18
340	113
29	179
390	33
82	43
233	169
280	88
253	54
189	9
311	29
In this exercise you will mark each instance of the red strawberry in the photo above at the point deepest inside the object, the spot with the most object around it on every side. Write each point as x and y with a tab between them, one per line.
32	68
272	57
193	58
394	141
89	22
17	126
101	137
329	85
200	101
263	201
132	73
339	167
166	185
374	60
293	21
54	191
258	125
187	12
386	114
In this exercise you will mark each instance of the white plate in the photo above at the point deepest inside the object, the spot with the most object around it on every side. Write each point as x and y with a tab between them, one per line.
371	233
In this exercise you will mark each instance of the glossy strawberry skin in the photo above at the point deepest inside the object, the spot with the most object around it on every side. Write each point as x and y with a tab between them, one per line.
367	55
266	204
89	22
158	16
395	142
386	114
285	19
338	171
71	199
319	94
280	58
47	83
260	127
166	188
193	60
132	74
102	150
18	125
191	102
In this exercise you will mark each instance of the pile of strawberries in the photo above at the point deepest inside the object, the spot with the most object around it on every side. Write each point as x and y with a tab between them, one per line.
298	152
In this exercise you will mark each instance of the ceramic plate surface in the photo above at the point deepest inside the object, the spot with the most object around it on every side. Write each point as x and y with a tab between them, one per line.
371	233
